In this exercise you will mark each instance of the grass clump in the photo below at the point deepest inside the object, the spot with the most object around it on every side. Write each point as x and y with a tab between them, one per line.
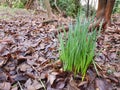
77	47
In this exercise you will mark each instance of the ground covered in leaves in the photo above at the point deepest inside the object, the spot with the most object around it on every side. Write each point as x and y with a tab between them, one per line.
29	58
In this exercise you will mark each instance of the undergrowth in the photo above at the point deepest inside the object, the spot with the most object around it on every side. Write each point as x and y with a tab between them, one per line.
77	47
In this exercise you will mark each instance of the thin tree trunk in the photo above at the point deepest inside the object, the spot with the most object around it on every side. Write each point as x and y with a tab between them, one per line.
87	12
48	7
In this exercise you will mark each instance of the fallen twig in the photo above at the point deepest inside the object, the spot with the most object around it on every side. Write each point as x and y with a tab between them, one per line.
20	86
6	40
38	75
60	30
49	21
54	64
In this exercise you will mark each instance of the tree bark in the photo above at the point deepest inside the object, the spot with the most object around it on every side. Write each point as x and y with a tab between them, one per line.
48	7
87	12
104	12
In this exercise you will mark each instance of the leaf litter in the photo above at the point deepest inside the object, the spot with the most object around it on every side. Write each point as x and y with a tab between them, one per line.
29	58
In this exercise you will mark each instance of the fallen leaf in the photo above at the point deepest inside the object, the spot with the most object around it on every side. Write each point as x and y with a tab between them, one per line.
5	86
24	67
37	85
30	87
60	84
102	84
3	76
51	78
21	77
14	88
72	85
2	61
117	74
42	46
28	83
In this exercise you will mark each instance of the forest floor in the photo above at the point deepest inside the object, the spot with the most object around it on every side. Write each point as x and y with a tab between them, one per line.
29	58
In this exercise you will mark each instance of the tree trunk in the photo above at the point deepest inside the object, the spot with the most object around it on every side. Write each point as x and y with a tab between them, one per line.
48	7
87	12
104	12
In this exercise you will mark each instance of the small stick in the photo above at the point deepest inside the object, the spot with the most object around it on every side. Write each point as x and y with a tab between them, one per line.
20	86
38	75
6	40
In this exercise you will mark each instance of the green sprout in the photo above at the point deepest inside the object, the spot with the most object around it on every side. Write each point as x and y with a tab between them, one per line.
77	47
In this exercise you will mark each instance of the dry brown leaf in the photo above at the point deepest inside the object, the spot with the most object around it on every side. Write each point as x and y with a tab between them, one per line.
102	84
5	86
37	85
51	78
117	74
24	67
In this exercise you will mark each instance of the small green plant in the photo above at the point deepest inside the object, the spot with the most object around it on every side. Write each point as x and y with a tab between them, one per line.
70	7
117	7
77	47
18	4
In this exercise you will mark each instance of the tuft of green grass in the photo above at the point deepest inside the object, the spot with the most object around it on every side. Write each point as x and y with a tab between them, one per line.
77	47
